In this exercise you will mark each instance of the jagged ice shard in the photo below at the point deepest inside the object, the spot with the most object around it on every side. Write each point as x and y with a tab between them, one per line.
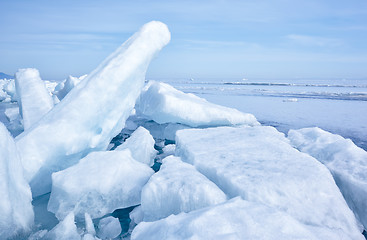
33	97
93	112
16	212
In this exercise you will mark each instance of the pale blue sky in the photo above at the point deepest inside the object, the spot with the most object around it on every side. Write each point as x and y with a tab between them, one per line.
223	39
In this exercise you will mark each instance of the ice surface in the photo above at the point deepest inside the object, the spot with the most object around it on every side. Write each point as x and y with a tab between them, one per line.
346	161
100	183
165	104
141	145
16	212
89	226
93	112
259	164
65	230
33	98
109	228
234	219
177	187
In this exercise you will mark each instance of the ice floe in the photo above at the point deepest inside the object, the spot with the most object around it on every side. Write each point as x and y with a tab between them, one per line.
346	161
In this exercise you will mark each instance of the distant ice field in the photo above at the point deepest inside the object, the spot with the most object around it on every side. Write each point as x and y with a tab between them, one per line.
338	106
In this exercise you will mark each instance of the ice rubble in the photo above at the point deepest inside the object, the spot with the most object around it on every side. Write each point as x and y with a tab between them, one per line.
141	145
65	230
259	164
109	228
346	161
177	187
16	212
34	99
234	219
93	112
65	87
100	183
165	104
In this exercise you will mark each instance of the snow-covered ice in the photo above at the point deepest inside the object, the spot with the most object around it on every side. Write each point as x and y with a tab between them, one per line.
234	219
109	228
141	145
100	183
259	164
65	230
16	212
346	161
177	187
33	98
165	104
93	112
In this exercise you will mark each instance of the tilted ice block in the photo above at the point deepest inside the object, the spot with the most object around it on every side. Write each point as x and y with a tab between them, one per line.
141	145
259	164
65	230
93	112
165	104
177	187
34	99
234	219
346	161
100	183
16	211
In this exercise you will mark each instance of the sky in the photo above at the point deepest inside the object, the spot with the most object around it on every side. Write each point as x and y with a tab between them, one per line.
210	39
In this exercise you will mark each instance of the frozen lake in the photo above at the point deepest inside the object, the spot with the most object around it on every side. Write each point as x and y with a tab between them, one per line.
338	106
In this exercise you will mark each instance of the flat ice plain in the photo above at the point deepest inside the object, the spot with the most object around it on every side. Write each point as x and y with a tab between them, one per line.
229	178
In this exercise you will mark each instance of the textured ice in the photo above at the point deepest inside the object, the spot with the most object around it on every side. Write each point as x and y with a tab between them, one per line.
65	230
177	187
165	104
346	161
93	112
34	99
259	164
16	212
109	228
100	183
234	219
141	145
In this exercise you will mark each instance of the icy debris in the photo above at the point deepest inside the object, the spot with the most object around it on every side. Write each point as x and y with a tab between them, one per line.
65	230
109	228
100	183
16	212
259	164
93	112
166	151
234	219
137	215
33	98
177	187
141	145
12	113
9	88
89	226
68	85
346	161
165	104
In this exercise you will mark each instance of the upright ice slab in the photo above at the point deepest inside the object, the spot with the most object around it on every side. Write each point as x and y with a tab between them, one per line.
100	183
165	104
259	164
235	220
65	230
93	112
16	211
33	97
346	161
177	187
141	145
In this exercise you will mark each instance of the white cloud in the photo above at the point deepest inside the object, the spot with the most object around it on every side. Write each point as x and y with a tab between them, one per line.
315	40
